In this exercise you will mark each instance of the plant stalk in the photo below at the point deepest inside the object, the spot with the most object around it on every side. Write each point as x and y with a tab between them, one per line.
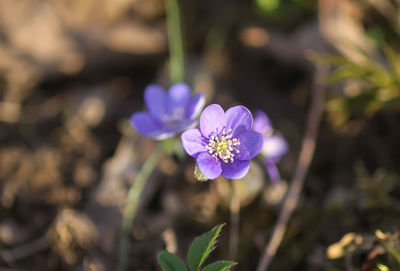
175	41
132	203
234	207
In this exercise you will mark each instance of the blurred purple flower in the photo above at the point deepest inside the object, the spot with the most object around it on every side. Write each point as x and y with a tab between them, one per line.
224	144
274	146
169	112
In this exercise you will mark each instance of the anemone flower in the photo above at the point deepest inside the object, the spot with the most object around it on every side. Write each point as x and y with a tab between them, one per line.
274	146
225	143
169	112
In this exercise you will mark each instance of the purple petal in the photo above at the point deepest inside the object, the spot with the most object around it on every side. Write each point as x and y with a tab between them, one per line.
251	144
193	142
195	105
273	172
239	119
182	125
212	120
208	165
144	123
155	99
274	147
178	96
160	135
236	170
262	123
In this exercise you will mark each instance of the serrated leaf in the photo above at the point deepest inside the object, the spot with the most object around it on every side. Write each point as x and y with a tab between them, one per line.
219	266
170	262
201	247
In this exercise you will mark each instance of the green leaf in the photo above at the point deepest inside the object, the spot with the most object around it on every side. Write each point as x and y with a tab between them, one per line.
325	59
347	71
201	247
170	262
199	175
382	267
269	6
219	266
394	60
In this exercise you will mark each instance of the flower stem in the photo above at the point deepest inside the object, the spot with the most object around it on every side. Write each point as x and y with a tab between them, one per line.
131	205
176	53
234	207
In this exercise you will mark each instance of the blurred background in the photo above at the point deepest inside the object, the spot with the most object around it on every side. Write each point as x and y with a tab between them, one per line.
73	71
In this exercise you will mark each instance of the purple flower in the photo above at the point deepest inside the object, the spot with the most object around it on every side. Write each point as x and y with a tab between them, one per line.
274	146
169	112
224	144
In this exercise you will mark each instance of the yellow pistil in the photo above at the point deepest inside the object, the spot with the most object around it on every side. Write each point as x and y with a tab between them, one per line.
223	146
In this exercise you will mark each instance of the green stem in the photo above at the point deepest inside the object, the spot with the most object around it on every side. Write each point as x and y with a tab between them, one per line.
131	205
176	54
234	207
177	74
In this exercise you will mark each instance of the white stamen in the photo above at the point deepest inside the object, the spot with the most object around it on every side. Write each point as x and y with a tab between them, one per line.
223	146
176	116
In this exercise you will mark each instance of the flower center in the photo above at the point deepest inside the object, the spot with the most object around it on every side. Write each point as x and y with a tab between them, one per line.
223	146
175	117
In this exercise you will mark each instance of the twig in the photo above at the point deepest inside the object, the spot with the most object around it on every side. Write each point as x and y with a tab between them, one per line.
234	229
348	259
131	205
12	255
11	269
303	164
